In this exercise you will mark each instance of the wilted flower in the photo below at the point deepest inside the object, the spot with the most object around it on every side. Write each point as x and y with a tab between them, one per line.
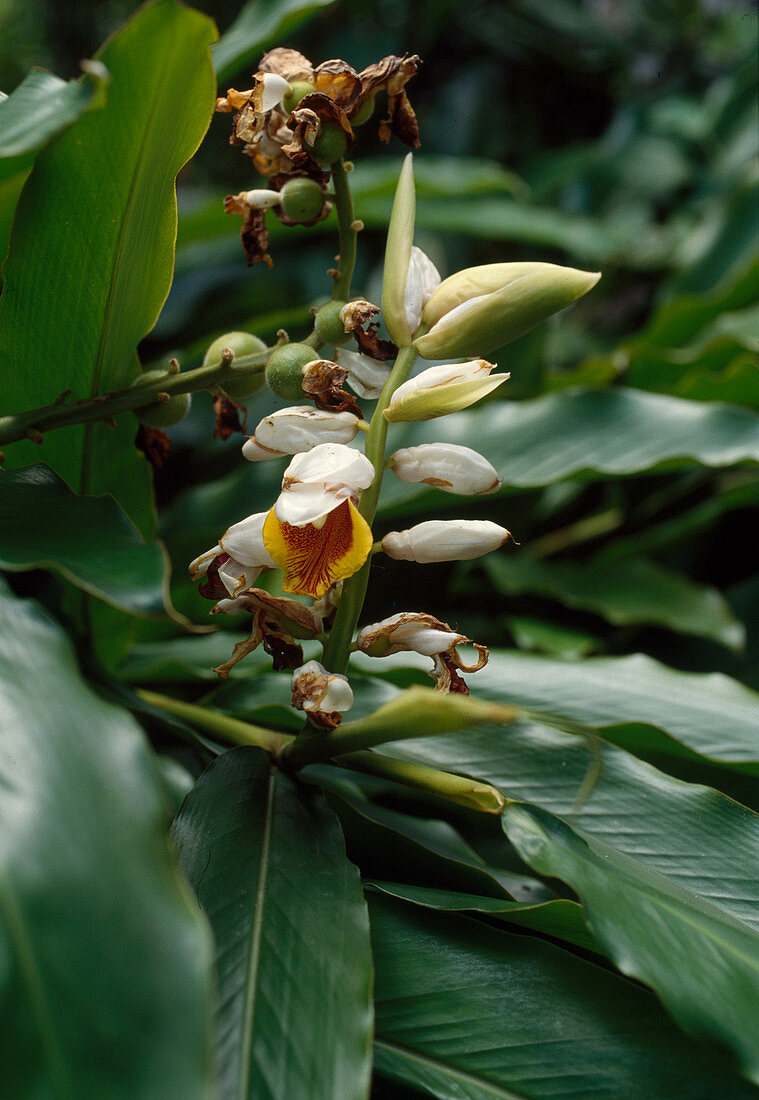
414	632
366	376
296	429
480	309
314	532
276	622
443	389
446	466
324	695
445	540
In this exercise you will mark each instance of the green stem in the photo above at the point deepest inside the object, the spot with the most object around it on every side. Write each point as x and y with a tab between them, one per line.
337	650
231	729
61	415
347	229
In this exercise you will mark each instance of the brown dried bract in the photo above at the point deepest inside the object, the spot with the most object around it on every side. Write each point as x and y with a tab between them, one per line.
371	344
392	74
288	64
274	621
228	416
154	444
323	381
211	587
255	238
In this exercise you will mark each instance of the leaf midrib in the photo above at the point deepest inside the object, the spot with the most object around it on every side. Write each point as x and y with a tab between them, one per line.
463	1076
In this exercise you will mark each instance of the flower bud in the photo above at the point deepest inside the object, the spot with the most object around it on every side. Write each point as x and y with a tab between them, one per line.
400	238
446	466
422	280
239	343
480	309
284	371
290	431
161	414
441	390
325	696
261	198
445	540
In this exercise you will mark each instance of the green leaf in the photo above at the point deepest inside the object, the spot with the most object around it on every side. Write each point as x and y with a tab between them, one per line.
106	959
467	1012
703	964
612	433
559	918
267	859
259	24
41	107
112	253
89	540
635	591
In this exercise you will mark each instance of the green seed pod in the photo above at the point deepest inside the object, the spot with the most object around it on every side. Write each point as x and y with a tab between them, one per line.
162	414
329	326
364	113
298	90
284	371
301	200
330	144
240	343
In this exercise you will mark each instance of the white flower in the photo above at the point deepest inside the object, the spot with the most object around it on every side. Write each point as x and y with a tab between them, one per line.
447	466
422	280
366	376
442	389
324	695
225	573
261	198
318	480
274	88
412	631
445	540
299	428
244	542
314	531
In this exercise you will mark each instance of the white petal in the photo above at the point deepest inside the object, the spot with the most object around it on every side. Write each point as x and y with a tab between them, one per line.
338	696
199	566
445	540
328	691
244	542
275	90
254	452
422	281
308	503
447	466
303	427
444	374
262	198
366	376
333	465
236	577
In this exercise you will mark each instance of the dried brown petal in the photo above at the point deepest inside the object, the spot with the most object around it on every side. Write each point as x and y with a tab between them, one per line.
255	238
228	416
340	81
233	101
337	401
154	444
322	375
211	586
371	344
287	63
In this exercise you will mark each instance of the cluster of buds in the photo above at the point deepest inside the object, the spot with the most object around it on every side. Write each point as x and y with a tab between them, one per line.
299	119
317	533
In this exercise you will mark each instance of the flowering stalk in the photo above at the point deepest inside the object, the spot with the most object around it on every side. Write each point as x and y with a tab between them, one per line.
348	229
337	649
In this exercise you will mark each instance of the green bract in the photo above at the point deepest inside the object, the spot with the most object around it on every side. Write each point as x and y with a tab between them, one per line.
480	309
400	238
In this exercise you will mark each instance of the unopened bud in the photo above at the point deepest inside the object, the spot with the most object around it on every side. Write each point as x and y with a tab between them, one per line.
446	466
443	389
445	540
480	309
293	430
400	238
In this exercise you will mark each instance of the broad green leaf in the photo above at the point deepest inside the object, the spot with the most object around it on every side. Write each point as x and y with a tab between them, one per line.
467	1012
41	107
89	540
635	591
610	432
698	838
448	177
105	976
260	23
703	964
548	637
185	659
559	917
113	173
267	859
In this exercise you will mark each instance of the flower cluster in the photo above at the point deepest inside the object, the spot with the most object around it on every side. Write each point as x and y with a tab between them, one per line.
318	532
296	121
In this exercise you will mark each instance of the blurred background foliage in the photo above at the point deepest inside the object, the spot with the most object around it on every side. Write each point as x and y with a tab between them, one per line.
603	134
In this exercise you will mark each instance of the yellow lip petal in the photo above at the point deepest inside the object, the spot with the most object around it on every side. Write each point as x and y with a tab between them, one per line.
314	558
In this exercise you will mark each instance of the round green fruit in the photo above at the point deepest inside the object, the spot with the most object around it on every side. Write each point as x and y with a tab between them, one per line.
162	414
284	371
330	145
301	200
365	112
240	343
298	90
329	327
